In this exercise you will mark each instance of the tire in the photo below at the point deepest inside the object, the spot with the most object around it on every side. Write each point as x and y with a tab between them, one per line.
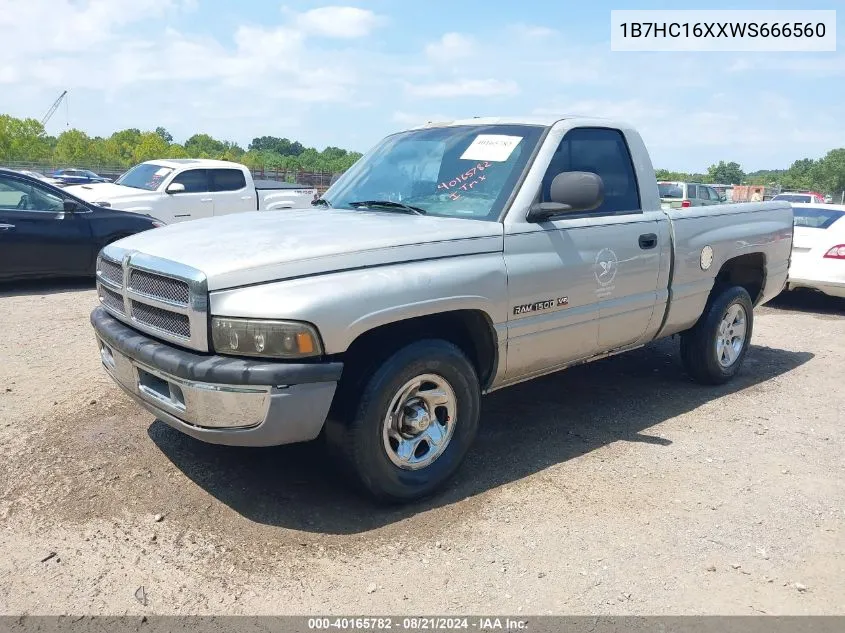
447	377
705	355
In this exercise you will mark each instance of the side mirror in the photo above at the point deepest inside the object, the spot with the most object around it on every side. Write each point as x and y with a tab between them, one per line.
175	187
72	206
571	192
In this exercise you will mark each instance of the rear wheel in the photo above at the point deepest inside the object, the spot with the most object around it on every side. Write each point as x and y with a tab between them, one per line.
411	425
714	349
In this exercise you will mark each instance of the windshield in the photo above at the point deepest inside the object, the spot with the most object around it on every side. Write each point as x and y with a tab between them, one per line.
816	217
670	190
144	176
461	171
793	198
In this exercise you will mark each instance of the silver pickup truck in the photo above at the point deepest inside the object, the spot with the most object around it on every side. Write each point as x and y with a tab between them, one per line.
452	260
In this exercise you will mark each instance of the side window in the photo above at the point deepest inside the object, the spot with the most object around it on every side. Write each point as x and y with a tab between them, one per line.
227	180
692	192
195	180
603	152
24	196
704	193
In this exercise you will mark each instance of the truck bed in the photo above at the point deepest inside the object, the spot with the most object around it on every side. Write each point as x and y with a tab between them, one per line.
273	195
278	184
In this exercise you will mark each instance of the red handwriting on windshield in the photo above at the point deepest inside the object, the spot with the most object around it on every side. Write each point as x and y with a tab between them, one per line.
465	181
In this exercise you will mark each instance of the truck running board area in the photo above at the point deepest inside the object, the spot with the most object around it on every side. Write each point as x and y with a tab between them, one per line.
557	368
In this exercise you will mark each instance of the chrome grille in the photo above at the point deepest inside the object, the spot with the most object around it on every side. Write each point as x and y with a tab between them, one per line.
170	322
110	270
111	299
160	297
159	287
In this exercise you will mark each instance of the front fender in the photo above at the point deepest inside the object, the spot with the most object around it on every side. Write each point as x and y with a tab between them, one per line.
347	304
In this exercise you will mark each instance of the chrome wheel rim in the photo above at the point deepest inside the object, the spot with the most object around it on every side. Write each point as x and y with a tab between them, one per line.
420	422
730	338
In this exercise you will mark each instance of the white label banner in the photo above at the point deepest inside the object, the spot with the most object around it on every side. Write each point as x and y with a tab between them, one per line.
723	30
493	147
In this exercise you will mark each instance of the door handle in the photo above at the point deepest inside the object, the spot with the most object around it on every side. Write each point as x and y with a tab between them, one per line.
6	227
648	240
246	197
206	199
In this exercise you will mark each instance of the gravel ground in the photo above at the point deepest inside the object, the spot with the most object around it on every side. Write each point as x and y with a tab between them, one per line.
613	488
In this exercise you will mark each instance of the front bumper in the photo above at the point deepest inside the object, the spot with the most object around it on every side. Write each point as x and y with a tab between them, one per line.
218	399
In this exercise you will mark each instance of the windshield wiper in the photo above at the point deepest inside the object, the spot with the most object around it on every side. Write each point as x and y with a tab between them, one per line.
389	204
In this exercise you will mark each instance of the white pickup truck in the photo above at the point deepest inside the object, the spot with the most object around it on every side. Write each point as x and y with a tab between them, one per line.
189	189
450	261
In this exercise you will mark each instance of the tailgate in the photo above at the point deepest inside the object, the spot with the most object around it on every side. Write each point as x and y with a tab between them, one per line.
674	203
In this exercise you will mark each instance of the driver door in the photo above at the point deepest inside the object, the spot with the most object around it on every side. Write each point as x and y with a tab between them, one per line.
193	203
37	238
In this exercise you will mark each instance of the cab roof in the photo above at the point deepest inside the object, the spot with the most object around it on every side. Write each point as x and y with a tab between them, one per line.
539	120
177	163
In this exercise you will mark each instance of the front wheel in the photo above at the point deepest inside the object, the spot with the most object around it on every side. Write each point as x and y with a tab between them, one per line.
413	422
714	349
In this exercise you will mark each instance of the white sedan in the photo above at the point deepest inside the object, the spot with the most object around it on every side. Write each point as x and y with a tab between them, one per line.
818	249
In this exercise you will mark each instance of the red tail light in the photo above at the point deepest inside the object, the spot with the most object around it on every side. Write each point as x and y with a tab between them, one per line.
686	203
837	252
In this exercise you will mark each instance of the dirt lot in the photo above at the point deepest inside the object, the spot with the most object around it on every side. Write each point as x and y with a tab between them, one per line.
618	487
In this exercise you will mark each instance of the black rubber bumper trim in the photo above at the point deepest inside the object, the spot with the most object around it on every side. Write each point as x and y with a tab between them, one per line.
205	367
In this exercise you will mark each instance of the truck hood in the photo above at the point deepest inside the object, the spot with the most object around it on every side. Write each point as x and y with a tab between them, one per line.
118	195
256	247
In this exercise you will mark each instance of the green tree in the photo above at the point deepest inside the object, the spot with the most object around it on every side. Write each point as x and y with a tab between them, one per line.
73	147
802	174
175	151
204	146
22	139
164	134
281	146
120	147
150	146
830	171
725	173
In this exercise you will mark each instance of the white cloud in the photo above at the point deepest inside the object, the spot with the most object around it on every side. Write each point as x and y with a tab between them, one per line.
410	119
339	22
757	129
634	111
533	31
451	46
464	88
140	63
74	26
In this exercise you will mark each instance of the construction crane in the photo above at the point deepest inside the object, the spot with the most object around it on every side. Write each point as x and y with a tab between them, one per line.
53	108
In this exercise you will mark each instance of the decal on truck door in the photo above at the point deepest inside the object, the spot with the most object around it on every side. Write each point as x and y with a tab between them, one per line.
605	268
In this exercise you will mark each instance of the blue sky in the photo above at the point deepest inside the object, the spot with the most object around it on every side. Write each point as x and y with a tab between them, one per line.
347	73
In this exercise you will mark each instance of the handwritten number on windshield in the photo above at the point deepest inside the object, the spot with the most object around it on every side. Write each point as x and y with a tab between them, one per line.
465	181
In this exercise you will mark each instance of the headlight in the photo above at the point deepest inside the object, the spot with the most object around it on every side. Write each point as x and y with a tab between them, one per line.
256	337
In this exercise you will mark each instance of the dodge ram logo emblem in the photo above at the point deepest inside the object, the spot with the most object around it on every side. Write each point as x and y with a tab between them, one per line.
606	266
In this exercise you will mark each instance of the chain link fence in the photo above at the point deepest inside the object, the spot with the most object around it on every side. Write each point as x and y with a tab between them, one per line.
320	180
